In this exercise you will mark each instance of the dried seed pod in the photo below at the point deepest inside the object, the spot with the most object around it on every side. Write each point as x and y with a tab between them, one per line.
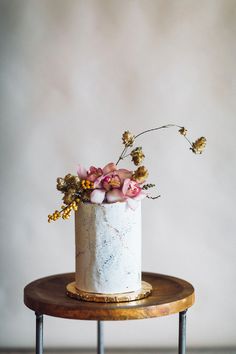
141	174
137	155
68	198
128	138
183	131
61	184
199	145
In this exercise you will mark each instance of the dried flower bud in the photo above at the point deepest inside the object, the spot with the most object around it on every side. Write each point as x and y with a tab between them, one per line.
141	174
68	182
199	145
128	139
74	182
61	185
68	198
71	191
183	131
67	178
137	156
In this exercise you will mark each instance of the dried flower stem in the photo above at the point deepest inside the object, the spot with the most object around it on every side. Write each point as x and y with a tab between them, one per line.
149	197
188	140
123	154
162	127
126	156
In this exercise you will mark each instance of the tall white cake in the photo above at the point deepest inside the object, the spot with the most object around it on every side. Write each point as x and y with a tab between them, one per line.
108	248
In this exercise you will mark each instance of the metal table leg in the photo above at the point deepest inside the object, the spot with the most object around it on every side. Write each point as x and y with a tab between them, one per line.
182	332
39	333
100	337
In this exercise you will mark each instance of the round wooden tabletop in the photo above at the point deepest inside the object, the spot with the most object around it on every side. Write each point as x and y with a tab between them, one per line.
48	296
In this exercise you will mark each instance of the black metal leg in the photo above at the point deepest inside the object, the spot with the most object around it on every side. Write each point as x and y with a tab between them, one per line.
100	338
39	333
182	332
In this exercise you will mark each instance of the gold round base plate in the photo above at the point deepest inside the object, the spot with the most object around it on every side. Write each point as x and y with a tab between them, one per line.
75	293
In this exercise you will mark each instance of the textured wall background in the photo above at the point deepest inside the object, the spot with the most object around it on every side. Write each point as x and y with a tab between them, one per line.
74	75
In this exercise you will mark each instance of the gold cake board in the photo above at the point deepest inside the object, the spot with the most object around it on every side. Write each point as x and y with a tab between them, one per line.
75	293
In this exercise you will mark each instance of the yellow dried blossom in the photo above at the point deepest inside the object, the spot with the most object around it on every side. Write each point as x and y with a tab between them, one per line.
86	184
69	181
137	156
128	138
141	174
199	145
61	184
65	211
55	216
68	177
69	196
183	131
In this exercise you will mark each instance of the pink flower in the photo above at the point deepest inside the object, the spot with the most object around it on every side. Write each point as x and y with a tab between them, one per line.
133	193
93	173
131	188
110	167
111	181
106	171
112	178
124	174
112	185
82	172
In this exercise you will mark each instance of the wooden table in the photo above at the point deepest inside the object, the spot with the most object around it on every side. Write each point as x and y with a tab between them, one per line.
47	296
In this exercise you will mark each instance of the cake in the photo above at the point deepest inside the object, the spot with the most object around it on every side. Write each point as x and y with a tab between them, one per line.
108	248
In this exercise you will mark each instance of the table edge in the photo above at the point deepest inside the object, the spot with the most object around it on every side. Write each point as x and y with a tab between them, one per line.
114	314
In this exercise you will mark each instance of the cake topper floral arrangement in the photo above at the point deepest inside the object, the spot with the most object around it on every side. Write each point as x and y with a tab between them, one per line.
111	184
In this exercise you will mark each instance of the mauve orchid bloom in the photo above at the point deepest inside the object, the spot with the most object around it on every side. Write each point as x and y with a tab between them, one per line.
133	193
106	171
112	175
124	174
110	167
93	173
82	172
112	185
131	188
111	181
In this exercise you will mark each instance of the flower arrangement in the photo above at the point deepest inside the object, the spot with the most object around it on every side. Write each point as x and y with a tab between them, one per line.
111	184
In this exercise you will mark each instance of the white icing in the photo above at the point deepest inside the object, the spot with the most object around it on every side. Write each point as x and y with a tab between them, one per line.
108	248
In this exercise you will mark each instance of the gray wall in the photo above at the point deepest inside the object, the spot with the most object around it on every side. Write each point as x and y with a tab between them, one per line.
74	75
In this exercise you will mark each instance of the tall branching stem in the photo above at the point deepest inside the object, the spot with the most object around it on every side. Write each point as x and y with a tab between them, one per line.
123	153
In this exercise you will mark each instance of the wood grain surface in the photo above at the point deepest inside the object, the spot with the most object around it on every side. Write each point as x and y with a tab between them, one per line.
48	296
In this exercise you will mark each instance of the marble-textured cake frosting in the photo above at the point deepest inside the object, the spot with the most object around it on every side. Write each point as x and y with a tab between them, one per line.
108	248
